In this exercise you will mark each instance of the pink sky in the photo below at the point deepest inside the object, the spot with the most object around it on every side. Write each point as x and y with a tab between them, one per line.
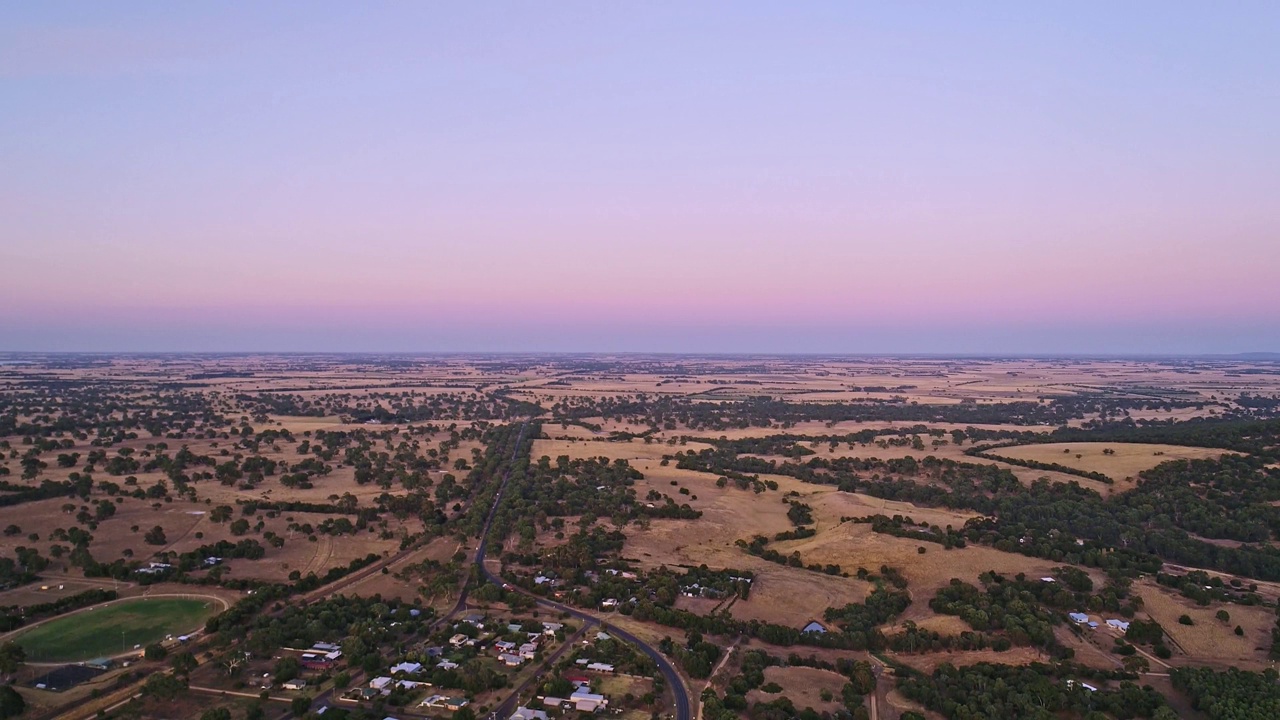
580	178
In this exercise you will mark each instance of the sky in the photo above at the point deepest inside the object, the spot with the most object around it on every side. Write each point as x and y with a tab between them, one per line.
905	177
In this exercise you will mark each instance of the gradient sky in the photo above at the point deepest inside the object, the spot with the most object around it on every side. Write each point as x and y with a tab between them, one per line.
846	177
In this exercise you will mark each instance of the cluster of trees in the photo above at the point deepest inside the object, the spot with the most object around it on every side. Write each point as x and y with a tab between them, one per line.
885	602
718	414
362	624
385	407
905	527
14	617
1012	607
1232	694
109	410
1206	589
696	657
1035	692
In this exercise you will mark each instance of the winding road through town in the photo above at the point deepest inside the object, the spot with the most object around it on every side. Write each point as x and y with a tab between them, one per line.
682	706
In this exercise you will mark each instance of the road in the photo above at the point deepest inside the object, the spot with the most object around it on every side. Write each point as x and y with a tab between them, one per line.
682	707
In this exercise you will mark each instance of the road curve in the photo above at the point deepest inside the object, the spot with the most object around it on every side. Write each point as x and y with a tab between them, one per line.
682	709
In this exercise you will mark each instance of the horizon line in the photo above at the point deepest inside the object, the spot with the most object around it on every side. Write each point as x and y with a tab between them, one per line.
1244	355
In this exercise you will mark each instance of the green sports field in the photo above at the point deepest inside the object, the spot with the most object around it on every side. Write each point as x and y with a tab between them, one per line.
112	629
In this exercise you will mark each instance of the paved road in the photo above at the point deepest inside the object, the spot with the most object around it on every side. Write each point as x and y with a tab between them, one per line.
682	708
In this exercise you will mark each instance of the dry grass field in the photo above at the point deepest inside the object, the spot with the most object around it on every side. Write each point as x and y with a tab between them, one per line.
852	545
1124	461
804	687
1210	639
927	662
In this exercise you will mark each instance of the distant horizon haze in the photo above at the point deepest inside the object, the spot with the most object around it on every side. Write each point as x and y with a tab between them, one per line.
994	179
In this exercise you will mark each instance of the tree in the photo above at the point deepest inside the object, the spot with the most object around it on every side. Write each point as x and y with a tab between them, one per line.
155	536
11	657
163	686
300	705
183	663
11	703
155	651
220	713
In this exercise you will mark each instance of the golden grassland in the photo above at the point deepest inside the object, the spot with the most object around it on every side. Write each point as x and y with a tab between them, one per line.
1210	639
803	686
1123	462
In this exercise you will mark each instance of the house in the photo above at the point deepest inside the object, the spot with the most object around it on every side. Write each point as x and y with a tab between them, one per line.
325	647
1086	686
502	646
609	604
443	701
447	665
381	683
1047	579
584	701
474	619
524	713
551	628
1120	625
364	693
553	702
528	650
320	662
814	627
295	684
406	667
1078	618
411	684
602	636
511	660
459	640
600	667
514	627
576	678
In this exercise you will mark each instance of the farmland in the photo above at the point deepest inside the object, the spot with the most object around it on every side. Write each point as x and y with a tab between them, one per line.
923	514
